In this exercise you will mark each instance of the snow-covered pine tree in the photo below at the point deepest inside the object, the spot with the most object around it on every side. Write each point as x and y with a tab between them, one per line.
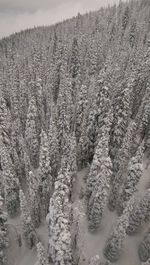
34	199
99	197
80	111
145	124
45	178
103	103
114	243
72	159
101	153
27	164
15	133
74	59
140	214
10	182
142	120
31	133
82	147
99	111
144	248
134	173
64	110
147	143
91	129
42	258
146	111
120	165
59	223
40	102
4	122
3	234
53	144
27	225
122	112
23	100
24	159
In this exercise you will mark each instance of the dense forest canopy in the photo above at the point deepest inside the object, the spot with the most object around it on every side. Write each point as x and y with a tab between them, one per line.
73	96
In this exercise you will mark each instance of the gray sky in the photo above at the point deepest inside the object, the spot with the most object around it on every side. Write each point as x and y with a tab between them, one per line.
16	15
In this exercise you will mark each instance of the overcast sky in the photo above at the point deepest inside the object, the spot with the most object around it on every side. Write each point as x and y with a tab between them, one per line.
16	15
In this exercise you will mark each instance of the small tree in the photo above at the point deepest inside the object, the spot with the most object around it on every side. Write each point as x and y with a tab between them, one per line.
72	159
140	214
45	182
74	59
31	133
99	111
134	173
144	248
4	122
42	259
120	165
53	144
101	153
94	260
121	119
34	199
27	225
82	147
10	181
59	222
80	111
100	194
3	234
114	243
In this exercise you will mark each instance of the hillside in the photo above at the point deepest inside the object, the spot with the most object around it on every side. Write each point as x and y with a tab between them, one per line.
75	140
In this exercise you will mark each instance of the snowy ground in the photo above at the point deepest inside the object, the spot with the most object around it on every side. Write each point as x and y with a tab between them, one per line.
90	244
